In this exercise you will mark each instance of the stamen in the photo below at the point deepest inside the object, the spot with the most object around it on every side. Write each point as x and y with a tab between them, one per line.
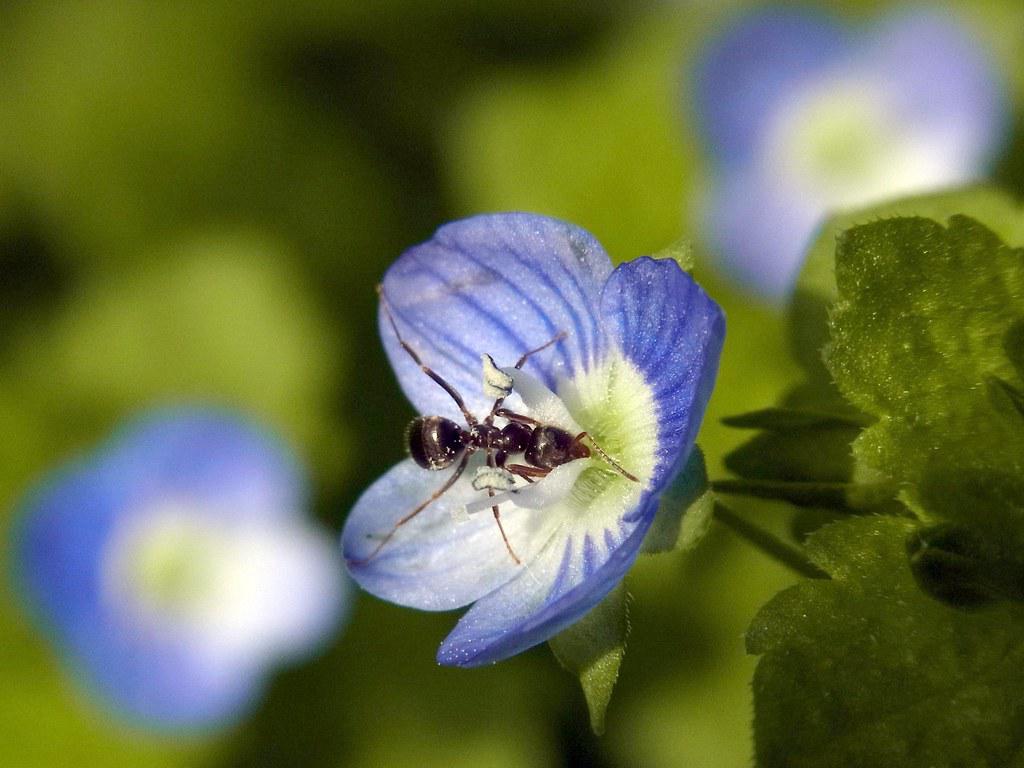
493	478
547	490
497	383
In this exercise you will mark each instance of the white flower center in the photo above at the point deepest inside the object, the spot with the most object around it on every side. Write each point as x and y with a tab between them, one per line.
842	144
237	589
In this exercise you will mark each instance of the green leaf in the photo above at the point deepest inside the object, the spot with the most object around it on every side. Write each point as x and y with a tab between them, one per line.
988	506
866	670
593	649
1013	343
954	564
816	288
802	456
1009	391
684	512
918	331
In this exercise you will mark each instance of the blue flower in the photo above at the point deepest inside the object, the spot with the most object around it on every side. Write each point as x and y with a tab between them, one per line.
175	566
803	117
631	358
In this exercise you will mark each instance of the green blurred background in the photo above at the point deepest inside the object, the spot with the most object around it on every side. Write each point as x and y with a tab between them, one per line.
196	201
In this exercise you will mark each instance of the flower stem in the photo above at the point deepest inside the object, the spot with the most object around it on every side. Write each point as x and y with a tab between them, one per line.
769	544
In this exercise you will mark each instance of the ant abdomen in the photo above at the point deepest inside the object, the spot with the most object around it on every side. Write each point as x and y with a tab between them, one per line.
435	442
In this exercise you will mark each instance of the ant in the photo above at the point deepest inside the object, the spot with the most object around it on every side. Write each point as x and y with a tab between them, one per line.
436	442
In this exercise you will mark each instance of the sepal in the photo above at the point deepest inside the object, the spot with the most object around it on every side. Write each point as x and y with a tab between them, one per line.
593	648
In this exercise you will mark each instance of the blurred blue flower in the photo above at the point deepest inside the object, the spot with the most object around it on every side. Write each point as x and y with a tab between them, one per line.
175	567
633	363
803	117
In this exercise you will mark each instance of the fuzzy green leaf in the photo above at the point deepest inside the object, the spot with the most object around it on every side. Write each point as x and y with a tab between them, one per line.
919	330
1013	343
593	649
816	288
866	670
802	456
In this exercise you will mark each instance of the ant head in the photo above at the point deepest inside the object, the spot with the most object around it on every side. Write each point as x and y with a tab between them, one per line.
435	442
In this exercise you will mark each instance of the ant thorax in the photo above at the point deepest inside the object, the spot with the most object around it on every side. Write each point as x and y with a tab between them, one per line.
532	484
548	436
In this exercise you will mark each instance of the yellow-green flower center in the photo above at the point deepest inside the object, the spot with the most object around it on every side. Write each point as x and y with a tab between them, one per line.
172	562
841	144
617	408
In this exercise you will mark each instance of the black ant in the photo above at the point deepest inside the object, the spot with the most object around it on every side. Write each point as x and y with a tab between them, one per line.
436	442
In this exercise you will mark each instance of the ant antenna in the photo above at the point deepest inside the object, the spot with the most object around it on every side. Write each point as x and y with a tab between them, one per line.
611	462
470	418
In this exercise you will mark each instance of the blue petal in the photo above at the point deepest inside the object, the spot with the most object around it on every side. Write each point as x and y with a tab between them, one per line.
435	562
60	542
760	228
161	684
203	455
210	454
672	331
59	539
937	86
501	284
561	585
747	73
943	82
665	324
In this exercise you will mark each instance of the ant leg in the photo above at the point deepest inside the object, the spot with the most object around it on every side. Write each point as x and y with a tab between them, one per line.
519	364
527	472
497	517
614	464
436	495
470	418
